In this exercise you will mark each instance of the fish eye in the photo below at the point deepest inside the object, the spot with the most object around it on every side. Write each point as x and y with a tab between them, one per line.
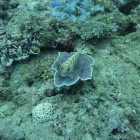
68	70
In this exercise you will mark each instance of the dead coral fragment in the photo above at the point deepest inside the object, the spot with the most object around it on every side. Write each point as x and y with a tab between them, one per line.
77	66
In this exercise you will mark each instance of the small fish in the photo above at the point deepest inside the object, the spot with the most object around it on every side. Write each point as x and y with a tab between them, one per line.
1	114
68	66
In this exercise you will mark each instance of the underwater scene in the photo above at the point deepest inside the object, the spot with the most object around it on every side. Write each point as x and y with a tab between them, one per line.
69	69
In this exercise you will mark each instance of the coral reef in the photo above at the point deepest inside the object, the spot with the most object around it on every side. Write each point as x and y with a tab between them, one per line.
77	9
17	47
126	6
93	29
4	6
106	107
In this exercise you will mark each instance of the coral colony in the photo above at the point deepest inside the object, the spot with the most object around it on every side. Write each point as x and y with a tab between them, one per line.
74	68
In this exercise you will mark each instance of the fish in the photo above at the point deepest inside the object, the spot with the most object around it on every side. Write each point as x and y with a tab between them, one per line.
68	66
